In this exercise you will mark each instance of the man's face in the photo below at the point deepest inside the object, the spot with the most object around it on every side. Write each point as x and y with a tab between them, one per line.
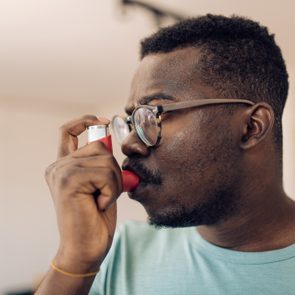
191	176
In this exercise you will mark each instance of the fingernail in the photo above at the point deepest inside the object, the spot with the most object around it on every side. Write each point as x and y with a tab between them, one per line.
104	120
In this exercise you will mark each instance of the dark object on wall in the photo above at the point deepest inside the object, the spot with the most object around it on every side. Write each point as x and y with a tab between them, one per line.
160	14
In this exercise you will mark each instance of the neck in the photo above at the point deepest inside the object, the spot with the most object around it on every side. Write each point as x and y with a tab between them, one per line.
265	222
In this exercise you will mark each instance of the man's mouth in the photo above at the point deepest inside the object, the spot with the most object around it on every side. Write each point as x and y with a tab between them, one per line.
146	175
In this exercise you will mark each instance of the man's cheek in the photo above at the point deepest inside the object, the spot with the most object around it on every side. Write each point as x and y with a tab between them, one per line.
177	141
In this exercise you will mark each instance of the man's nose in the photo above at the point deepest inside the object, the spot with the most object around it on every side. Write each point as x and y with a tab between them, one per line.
132	145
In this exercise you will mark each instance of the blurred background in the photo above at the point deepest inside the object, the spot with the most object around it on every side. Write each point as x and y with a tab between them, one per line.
60	59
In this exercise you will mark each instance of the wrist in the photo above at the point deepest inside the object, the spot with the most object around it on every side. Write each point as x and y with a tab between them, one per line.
74	264
72	275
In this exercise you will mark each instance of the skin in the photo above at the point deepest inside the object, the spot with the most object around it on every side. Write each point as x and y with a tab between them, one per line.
217	170
214	157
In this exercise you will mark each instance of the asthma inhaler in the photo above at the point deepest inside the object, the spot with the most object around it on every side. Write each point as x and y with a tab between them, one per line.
100	132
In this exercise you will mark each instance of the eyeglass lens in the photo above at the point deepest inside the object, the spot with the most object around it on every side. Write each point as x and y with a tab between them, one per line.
145	123
120	128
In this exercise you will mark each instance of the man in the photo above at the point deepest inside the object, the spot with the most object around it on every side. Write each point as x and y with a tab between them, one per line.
207	146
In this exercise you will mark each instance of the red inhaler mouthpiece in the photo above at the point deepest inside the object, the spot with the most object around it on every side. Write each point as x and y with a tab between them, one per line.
130	179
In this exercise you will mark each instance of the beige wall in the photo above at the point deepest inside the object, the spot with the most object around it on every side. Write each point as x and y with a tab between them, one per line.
60	59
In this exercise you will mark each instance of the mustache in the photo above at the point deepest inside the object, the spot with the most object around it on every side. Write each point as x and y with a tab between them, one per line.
146	175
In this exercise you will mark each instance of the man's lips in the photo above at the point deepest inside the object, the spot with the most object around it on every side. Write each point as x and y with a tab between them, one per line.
146	176
130	168
134	167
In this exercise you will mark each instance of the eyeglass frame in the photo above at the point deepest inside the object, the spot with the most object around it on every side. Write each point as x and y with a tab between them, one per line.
158	110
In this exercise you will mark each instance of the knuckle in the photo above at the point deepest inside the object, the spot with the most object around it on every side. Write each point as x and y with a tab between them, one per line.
99	148
49	170
98	144
112	175
63	128
89	117
66	176
109	158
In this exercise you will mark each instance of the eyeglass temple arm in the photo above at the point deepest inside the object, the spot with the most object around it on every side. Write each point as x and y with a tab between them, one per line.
189	104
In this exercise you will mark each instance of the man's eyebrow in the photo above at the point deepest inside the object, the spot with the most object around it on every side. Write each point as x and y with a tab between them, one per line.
147	99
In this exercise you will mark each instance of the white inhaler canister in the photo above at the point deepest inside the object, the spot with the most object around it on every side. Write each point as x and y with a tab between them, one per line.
97	132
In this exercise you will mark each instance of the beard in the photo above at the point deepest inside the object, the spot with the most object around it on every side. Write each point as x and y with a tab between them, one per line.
218	207
216	198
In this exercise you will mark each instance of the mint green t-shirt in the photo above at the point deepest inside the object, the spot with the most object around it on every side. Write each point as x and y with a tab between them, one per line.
148	261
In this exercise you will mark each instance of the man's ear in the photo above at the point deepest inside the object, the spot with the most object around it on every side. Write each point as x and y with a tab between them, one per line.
258	123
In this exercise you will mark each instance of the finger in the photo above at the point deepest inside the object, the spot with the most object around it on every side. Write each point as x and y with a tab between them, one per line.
104	180
85	157
98	162
70	131
94	161
95	148
64	164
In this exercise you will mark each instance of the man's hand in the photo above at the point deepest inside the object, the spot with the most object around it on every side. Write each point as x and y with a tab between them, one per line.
84	185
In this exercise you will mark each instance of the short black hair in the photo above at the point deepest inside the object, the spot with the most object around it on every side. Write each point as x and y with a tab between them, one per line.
239	59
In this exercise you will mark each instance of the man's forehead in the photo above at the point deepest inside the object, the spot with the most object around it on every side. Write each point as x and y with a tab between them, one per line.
168	74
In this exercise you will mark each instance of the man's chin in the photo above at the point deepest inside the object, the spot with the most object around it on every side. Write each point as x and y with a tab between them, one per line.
217	208
168	223
184	217
160	213
171	219
138	194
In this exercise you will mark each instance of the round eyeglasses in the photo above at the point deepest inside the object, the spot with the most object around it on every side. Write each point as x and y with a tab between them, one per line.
146	119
